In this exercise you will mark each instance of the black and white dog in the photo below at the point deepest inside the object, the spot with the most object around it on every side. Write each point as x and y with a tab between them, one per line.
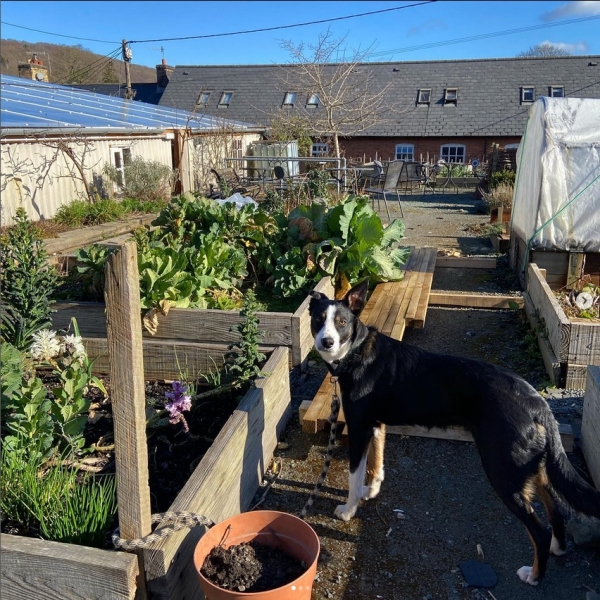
387	382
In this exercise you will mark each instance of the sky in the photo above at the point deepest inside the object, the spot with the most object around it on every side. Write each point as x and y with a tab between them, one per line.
400	31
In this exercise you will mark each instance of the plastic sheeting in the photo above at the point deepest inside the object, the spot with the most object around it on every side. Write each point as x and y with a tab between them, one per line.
556	203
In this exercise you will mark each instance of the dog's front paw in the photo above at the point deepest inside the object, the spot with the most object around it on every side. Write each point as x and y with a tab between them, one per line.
344	512
370	491
526	574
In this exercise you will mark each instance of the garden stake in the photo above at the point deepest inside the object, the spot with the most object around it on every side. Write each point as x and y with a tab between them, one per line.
176	520
335	411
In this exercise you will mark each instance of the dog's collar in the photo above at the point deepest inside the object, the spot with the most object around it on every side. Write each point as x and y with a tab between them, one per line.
334	366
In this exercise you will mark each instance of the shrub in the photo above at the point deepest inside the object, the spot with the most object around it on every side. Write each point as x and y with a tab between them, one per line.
502	195
80	213
144	180
501	177
28	282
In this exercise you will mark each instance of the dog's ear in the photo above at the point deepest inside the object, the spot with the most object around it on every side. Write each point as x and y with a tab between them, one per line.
315	297
356	297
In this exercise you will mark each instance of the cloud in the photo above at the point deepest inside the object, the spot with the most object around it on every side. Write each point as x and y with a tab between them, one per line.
430	25
579	8
577	48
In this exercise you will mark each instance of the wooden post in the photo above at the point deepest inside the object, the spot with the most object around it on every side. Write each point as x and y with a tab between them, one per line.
124	338
576	268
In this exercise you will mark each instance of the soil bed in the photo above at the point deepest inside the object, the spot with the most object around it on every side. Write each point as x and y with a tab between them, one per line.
251	567
173	453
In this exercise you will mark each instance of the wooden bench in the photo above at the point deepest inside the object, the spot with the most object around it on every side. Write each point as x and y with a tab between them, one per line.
392	307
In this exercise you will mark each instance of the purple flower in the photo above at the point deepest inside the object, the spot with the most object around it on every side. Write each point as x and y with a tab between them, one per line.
180	400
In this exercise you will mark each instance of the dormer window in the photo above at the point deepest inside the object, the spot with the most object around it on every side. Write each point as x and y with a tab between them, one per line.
527	94
557	91
203	99
424	96
225	100
451	96
313	100
290	99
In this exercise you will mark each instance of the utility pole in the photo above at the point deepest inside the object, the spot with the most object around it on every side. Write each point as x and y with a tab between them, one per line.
127	56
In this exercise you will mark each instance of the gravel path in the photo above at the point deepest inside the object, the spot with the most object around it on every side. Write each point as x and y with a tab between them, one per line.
451	514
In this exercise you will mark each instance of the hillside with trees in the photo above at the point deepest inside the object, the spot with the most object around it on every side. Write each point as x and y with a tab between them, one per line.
72	64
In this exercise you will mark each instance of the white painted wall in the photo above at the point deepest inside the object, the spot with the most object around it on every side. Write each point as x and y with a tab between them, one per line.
38	176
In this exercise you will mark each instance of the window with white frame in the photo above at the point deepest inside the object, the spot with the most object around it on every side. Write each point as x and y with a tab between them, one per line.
121	158
313	100
454	153
405	152
424	96
320	149
557	91
527	94
289	99
451	96
225	100
236	148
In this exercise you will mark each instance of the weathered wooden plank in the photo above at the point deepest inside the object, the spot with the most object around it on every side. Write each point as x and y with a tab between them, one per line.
210	325
90	316
33	568
167	359
71	240
553	367
468	262
186	324
460	434
590	423
575	376
226	479
128	395
550	313
467	299
417	308
421	314
584	342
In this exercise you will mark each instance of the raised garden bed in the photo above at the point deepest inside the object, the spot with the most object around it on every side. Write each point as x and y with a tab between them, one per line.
192	338
223	484
590	424
574	343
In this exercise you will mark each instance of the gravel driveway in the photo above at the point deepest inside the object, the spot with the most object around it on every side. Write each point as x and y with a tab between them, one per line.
450	513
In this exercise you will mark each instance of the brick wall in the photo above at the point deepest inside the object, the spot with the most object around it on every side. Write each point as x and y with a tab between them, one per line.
385	148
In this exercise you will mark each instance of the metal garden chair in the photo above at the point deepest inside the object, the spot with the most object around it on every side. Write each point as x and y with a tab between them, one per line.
387	184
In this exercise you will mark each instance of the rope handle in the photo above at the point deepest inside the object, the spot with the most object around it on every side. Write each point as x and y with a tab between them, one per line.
173	521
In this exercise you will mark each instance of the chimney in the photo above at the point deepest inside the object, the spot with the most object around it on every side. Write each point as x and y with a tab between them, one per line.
34	69
163	72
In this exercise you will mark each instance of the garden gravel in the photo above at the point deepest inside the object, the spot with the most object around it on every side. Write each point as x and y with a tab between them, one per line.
436	508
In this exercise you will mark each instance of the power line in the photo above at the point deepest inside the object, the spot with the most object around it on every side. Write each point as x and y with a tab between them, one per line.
59	34
479	37
213	35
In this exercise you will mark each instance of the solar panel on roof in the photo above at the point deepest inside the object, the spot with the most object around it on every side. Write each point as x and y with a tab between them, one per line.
28	104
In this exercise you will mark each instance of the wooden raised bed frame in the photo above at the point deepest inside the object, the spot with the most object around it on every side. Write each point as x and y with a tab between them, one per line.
574	343
192	339
223	484
590	424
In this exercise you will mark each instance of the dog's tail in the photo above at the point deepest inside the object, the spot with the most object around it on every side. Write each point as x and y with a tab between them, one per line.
564	479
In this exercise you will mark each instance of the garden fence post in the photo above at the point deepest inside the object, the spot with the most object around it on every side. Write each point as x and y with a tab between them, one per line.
124	337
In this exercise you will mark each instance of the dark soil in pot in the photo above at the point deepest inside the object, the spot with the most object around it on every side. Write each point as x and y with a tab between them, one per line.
251	567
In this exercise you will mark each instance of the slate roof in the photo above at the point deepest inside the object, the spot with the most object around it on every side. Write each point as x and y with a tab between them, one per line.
489	101
28	105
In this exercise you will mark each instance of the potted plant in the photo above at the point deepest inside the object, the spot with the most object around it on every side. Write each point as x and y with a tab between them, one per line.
277	530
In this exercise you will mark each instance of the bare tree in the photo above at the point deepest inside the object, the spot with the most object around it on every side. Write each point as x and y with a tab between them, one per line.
340	95
544	50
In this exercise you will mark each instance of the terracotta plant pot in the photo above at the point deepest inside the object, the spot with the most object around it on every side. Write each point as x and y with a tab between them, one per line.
269	527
